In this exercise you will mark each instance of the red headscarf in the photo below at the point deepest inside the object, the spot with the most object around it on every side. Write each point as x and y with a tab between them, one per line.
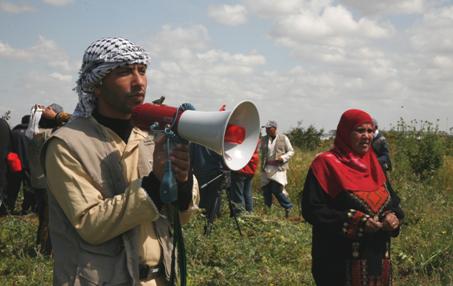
340	169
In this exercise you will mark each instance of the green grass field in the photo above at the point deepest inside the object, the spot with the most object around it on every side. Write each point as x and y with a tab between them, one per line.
274	250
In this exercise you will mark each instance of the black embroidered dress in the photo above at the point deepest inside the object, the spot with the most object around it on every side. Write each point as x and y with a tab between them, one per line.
342	253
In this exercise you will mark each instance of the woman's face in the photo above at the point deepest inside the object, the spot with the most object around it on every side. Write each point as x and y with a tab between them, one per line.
361	138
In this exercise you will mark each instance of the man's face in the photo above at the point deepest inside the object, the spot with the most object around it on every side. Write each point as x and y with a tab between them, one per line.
122	89
271	131
361	138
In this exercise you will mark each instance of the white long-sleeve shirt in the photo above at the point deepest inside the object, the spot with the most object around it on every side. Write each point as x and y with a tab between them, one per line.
273	172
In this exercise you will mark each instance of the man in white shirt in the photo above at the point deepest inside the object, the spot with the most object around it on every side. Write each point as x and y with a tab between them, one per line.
276	150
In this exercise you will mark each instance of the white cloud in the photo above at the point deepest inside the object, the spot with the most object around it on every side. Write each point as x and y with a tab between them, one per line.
332	21
427	67
383	7
58	2
6	51
209	77
331	73
433	34
60	77
178	42
198	73
230	15
320	30
272	9
331	56
15	8
43	50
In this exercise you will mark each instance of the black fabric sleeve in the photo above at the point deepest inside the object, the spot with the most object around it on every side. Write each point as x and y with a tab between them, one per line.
151	185
393	206
315	206
185	193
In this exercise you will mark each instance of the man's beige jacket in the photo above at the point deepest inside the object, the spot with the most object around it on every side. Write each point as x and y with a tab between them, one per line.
102	222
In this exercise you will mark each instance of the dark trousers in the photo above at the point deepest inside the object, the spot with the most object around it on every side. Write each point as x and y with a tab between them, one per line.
15	182
241	192
277	190
43	238
211	198
3	187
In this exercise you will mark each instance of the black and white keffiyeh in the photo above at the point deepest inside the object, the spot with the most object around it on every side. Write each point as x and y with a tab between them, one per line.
101	57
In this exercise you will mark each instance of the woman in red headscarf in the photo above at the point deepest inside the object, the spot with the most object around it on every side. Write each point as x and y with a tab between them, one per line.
352	208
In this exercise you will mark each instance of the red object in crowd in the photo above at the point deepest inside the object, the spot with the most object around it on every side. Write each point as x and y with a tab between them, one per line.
234	134
251	166
14	162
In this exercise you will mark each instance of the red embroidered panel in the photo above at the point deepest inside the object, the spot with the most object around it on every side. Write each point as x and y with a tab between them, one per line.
374	200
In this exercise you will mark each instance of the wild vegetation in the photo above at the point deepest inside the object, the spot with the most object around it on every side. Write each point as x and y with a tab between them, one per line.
276	251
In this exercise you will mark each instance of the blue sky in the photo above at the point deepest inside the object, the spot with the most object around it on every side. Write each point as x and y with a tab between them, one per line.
298	60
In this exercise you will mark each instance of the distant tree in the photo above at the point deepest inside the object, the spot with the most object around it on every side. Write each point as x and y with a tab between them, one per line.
332	133
305	138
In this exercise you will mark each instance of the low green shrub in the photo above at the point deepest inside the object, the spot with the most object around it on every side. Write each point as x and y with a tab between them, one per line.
421	148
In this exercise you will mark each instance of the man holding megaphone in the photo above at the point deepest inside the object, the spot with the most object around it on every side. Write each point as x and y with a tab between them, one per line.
108	224
115	190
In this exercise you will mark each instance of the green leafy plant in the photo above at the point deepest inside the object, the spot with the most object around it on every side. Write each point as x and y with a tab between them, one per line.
420	145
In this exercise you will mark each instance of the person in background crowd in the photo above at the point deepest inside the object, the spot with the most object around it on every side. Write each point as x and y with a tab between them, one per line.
5	147
276	150
380	147
48	122
241	186
16	180
352	208
108	224
212	176
208	168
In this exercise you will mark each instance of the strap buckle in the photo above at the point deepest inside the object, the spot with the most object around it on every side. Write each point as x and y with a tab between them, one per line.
147	272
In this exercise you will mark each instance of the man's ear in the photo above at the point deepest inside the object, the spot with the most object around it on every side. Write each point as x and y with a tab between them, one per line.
97	91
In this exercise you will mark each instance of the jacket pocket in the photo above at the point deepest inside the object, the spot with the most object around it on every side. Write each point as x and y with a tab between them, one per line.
96	269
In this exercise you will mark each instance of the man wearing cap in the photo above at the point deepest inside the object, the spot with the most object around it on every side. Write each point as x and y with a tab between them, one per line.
108	225
276	150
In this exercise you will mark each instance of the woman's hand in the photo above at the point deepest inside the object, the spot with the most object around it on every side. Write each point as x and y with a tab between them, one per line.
373	225
390	222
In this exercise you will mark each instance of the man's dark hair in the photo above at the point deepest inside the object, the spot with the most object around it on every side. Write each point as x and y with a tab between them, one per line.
25	119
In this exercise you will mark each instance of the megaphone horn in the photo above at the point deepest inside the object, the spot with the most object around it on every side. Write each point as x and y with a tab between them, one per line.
232	134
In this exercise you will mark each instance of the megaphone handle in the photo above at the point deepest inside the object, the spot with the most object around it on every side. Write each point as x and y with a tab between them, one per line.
168	186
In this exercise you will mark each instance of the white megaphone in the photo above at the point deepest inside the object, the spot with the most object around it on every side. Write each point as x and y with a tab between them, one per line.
232	134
